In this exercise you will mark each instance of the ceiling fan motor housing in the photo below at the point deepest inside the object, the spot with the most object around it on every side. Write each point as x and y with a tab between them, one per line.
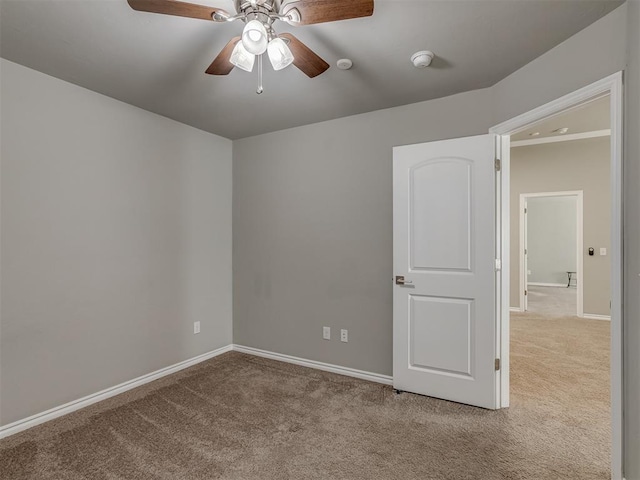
257	6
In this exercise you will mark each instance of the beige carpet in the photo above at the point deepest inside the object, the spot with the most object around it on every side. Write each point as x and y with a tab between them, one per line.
242	417
556	301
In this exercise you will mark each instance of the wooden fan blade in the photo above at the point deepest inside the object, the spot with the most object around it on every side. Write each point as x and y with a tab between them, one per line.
321	11
173	7
304	58
221	65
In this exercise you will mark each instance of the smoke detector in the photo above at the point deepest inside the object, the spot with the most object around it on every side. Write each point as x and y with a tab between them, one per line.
344	64
422	59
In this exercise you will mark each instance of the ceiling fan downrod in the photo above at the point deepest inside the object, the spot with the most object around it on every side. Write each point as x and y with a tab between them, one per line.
260	88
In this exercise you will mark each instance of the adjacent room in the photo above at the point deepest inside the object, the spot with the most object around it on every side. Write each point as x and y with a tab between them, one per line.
550	249
561	214
319	239
560	272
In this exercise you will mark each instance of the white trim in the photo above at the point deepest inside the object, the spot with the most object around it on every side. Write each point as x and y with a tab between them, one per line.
515	309
617	340
327	367
53	413
524	279
564	104
593	316
542	284
83	402
503	237
561	138
611	85
523	238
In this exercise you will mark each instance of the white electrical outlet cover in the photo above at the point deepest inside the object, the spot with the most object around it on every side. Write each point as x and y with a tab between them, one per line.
344	335
603	251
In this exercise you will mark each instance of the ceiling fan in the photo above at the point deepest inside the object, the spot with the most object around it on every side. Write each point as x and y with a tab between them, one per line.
259	36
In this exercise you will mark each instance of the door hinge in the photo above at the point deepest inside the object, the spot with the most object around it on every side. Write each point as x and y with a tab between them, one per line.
525	210
497	364
525	251
498	164
498	264
525	293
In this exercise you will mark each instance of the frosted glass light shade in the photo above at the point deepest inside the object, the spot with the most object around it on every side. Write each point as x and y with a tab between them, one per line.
279	54
254	37
241	58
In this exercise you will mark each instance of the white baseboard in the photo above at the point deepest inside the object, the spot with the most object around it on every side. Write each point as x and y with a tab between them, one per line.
542	284
327	367
591	316
515	309
39	418
61	410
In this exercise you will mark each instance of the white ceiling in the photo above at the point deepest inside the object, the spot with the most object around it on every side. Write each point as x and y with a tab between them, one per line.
590	117
157	62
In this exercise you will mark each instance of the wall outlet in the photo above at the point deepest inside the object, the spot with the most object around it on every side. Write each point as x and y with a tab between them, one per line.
196	327
603	251
326	333
344	335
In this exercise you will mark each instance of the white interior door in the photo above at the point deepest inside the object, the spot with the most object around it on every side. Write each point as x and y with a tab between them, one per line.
444	301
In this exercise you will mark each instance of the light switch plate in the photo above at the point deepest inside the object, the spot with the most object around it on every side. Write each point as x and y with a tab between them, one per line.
603	251
326	333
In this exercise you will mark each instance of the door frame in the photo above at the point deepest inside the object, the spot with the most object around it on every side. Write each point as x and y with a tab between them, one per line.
524	279
612	86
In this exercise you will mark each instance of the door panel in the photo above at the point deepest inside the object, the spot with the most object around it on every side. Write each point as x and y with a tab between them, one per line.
444	242
440	334
444	246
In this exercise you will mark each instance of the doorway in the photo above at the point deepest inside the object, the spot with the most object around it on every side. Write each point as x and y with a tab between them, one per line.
452	257
508	250
551	244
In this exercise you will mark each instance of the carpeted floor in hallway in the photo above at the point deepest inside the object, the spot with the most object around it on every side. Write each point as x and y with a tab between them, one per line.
242	417
555	301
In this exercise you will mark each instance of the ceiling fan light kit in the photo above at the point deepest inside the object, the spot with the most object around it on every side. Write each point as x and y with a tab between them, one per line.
254	37
279	53
258	36
241	58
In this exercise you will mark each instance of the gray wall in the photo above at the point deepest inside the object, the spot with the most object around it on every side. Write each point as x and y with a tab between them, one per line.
551	238
556	167
312	205
592	54
313	229
116	237
632	241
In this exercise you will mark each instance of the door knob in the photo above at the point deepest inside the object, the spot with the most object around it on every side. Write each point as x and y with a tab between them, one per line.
401	281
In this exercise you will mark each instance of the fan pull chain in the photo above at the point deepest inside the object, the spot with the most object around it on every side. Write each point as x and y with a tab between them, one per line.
260	89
